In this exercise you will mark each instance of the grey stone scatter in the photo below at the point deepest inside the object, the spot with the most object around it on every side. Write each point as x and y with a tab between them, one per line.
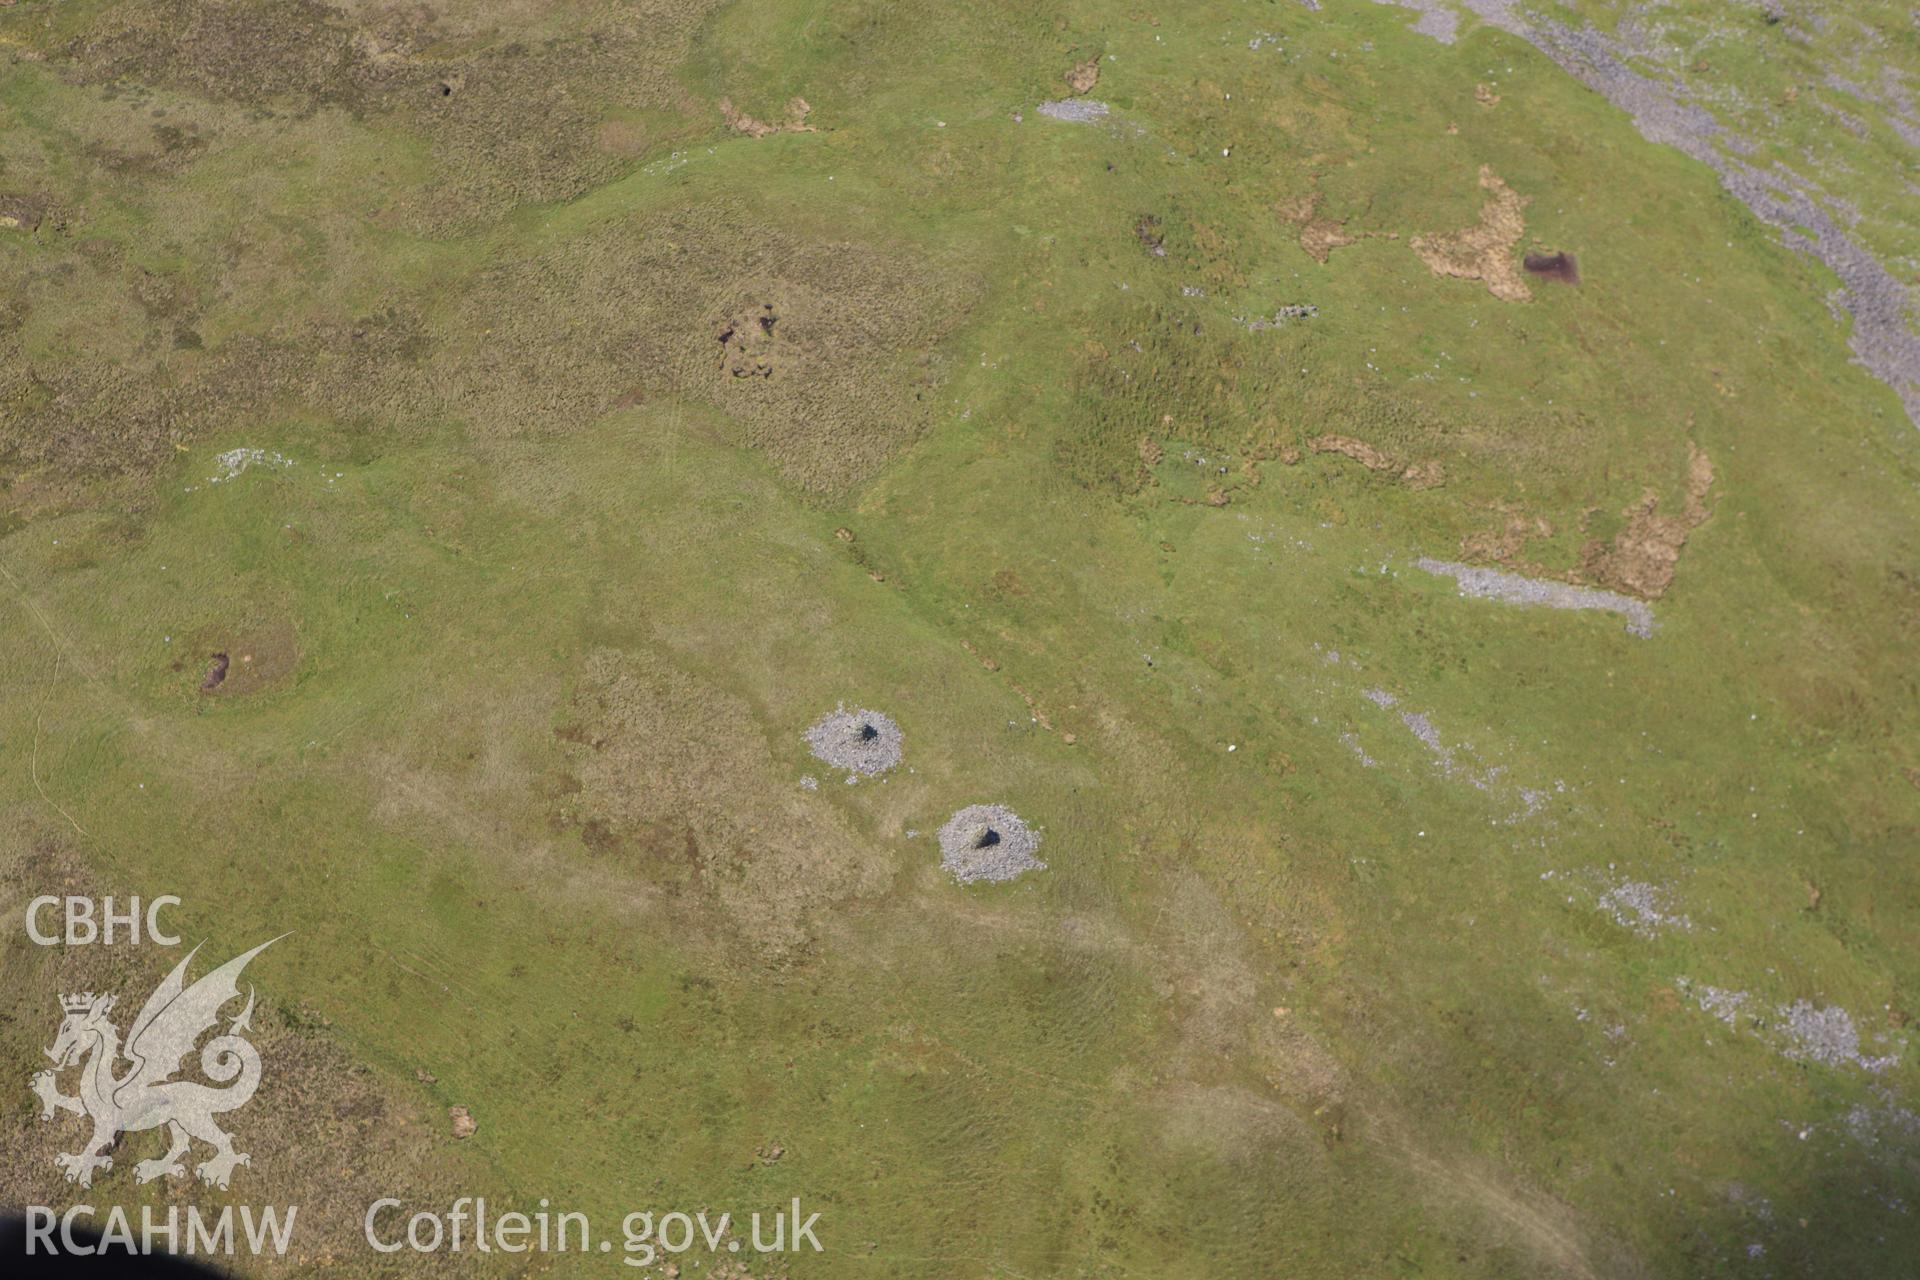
1887	1122
988	842
1827	1036
1292	311
1076	110
1491	584
865	742
1641	907
1721	1003
1352	744
1422	728
1802	1031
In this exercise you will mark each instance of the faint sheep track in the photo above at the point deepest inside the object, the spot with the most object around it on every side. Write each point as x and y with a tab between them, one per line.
1882	340
1545	1226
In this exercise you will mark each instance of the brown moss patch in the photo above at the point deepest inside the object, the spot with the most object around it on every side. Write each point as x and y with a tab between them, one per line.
627	138
855	355
678	780
95	415
822	353
1213	256
509	102
1082	76
1483	251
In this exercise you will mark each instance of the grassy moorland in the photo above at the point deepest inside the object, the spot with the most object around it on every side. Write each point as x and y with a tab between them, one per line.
1383	932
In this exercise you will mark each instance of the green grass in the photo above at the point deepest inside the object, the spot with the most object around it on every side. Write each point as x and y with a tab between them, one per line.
491	563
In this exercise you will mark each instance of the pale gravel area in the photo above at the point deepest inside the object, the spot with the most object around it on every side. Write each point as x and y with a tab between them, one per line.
1457	764
1493	584
1802	1030
988	842
860	741
1076	110
237	462
1721	1003
1827	1035
1643	908
1352	744
1883	338
1438	18
1884	1122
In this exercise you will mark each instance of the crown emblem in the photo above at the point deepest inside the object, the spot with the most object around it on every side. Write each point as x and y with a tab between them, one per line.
77	1004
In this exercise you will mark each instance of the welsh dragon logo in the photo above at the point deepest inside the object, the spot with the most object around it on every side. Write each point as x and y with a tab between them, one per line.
142	1096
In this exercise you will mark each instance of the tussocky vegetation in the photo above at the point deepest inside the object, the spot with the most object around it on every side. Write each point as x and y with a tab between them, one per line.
539	415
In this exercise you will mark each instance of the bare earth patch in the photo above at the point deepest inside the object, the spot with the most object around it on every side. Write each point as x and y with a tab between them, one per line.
796	121
1485	251
1417	475
1506	542
747	338
1320	235
1642	557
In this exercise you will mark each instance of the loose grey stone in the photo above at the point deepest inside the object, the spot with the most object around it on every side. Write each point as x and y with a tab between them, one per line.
1437	18
862	741
1491	584
1076	110
1641	907
1827	1036
988	842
